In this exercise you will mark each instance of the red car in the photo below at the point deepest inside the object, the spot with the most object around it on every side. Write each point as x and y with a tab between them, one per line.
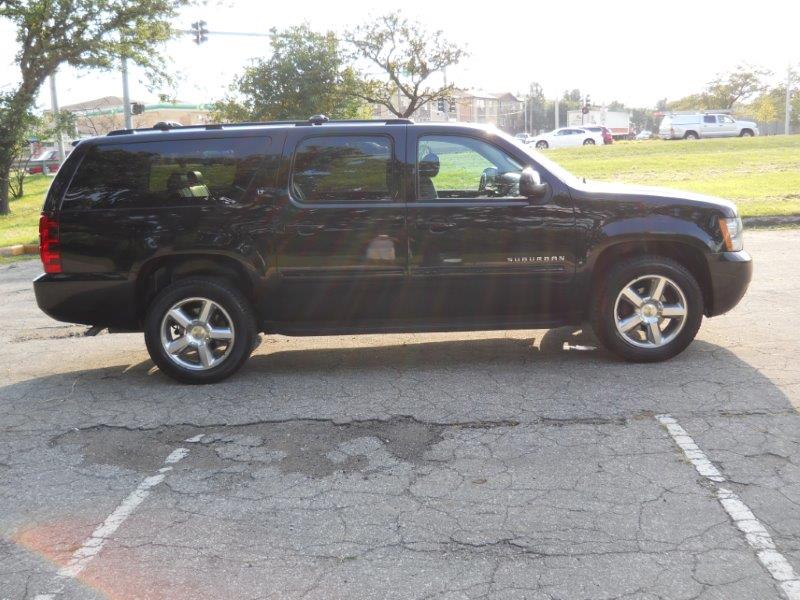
607	137
48	160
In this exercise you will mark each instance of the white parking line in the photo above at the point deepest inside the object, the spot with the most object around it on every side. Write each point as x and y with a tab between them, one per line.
81	558
754	532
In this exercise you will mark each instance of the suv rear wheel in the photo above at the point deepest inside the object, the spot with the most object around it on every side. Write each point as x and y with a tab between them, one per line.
588	142
691	135
542	145
648	309
200	330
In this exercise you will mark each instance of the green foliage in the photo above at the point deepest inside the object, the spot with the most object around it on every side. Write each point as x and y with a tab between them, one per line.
405	55
83	34
726	90
306	74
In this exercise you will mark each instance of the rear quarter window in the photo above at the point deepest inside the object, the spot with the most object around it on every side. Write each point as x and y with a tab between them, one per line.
171	173
347	168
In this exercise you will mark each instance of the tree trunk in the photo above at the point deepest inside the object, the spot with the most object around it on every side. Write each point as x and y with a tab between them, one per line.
5	179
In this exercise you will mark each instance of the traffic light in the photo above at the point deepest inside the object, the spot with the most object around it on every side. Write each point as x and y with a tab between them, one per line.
587	102
137	108
440	105
452	102
200	32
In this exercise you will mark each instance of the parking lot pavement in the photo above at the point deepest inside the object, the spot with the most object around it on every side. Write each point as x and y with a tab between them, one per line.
519	464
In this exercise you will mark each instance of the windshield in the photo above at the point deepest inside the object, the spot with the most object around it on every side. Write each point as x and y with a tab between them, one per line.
542	160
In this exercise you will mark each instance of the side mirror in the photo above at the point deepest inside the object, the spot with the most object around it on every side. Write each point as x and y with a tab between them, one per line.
531	185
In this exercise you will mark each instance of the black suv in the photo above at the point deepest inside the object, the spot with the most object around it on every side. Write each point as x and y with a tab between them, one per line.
204	236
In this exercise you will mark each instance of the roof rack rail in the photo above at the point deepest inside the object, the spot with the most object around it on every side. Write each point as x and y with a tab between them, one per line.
312	121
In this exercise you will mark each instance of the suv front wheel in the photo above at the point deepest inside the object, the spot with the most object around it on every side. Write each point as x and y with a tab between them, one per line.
200	330
648	309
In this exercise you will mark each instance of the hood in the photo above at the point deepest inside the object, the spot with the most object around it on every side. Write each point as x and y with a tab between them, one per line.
633	192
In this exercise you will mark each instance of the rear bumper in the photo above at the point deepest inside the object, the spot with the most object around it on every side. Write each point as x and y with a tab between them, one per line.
89	300
731	273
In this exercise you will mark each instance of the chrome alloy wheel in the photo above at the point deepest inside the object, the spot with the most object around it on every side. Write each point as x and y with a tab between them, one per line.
197	334
650	311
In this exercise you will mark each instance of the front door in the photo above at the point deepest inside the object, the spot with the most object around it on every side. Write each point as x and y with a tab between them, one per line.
341	251
727	126
477	249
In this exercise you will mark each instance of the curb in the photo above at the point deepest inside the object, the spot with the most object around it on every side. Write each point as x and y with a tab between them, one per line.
19	249
784	221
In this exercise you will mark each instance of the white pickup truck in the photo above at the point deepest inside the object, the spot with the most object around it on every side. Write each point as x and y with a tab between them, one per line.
704	125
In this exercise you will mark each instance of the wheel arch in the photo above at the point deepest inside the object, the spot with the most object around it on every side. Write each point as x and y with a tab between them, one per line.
683	253
162	271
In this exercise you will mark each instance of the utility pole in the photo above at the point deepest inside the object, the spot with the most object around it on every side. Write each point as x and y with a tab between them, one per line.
126	96
787	118
56	116
556	111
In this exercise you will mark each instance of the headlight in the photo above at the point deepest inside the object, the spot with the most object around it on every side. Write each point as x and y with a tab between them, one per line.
732	233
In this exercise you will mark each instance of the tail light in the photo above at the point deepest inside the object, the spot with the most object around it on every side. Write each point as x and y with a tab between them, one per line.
49	249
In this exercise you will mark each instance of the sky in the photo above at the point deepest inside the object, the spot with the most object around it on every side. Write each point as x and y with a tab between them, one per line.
633	51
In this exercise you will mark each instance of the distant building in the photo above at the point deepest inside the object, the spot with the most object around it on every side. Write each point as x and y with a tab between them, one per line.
99	116
504	110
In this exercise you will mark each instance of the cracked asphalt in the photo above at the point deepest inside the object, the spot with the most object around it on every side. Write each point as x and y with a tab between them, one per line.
509	465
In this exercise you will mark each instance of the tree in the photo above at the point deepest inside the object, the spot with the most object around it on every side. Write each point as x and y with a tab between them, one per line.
81	33
536	107
39	128
306	74
725	91
736	86
408	55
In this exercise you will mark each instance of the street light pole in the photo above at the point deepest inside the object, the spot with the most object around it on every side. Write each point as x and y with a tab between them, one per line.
787	118
126	96
56	114
556	115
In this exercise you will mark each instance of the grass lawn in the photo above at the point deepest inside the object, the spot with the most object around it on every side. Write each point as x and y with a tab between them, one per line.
22	225
761	174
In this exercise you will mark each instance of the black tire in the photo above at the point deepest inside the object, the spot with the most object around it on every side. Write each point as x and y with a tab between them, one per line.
746	133
691	135
542	145
588	142
235	306
603	310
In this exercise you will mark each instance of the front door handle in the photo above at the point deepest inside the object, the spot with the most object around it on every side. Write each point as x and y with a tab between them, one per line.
440	226
306	230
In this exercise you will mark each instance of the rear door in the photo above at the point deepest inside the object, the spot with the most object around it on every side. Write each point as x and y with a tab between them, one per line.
341	235
478	251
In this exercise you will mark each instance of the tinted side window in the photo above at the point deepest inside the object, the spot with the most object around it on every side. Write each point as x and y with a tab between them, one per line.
167	173
709	119
354	168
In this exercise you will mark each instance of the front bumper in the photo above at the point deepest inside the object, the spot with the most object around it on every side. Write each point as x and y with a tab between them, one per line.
731	273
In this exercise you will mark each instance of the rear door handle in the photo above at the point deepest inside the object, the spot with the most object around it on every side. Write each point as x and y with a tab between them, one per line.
306	230
440	226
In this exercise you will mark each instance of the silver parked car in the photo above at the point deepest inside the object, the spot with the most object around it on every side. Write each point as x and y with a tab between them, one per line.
704	125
